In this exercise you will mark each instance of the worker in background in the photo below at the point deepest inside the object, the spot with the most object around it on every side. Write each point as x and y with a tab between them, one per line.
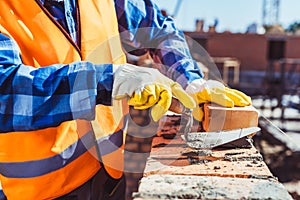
62	64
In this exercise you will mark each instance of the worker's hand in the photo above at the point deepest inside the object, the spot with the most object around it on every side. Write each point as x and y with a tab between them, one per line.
147	87
214	91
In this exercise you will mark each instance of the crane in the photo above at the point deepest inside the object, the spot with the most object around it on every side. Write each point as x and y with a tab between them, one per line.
176	10
270	15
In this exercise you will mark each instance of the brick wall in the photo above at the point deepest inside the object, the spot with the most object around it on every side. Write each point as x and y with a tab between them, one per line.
175	171
141	130
251	49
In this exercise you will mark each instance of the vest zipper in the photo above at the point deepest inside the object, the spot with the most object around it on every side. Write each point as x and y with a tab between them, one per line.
66	34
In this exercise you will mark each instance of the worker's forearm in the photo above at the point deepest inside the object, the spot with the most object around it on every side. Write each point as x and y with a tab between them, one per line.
39	98
149	30
176	62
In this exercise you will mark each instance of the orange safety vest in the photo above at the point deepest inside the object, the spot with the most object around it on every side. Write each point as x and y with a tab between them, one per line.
51	162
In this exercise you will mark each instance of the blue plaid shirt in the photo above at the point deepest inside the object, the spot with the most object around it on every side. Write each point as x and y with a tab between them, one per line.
33	99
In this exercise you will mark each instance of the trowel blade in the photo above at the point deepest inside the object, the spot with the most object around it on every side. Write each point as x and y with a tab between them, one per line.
214	139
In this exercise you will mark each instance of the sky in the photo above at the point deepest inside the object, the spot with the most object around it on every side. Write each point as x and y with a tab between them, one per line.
233	15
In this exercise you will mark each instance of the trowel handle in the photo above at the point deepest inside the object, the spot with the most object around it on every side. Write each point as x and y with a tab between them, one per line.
176	106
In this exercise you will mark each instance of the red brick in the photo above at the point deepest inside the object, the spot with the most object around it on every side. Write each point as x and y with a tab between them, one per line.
220	118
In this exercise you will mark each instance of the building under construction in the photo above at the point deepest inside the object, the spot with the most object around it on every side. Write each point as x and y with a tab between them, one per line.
266	67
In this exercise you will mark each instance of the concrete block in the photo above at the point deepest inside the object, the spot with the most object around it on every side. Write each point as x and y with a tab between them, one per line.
209	187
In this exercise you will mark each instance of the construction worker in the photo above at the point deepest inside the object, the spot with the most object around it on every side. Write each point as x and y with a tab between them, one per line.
62	73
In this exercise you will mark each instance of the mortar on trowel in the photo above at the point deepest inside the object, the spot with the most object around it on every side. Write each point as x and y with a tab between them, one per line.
221	125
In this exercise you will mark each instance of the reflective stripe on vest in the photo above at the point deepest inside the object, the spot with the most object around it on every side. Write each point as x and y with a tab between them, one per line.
36	168
48	163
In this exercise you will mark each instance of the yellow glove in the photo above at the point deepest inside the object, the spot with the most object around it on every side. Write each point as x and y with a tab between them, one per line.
214	91
147	87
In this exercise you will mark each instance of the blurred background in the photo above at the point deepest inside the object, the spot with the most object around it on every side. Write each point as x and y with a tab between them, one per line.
255	47
232	15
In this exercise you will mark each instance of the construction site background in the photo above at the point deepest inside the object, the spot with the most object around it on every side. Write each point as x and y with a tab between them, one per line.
269	71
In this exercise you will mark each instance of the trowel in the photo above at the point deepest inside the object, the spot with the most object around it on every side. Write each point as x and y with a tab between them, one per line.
207	140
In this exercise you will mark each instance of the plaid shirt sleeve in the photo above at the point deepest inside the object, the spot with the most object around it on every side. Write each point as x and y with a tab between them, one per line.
33	99
144	29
